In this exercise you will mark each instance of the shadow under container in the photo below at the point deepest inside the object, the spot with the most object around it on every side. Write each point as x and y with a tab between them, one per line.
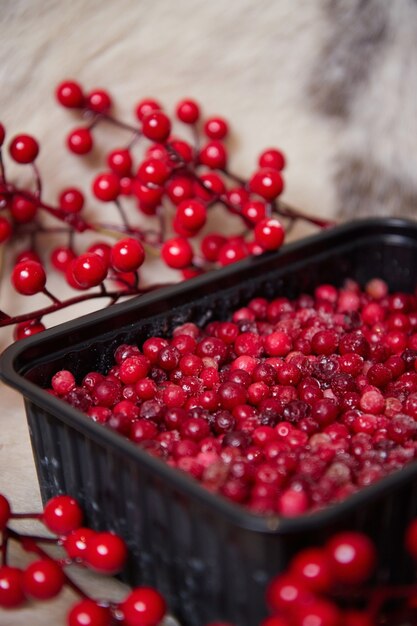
209	557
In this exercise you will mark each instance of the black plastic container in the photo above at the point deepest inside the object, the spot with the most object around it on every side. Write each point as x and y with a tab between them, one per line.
209	557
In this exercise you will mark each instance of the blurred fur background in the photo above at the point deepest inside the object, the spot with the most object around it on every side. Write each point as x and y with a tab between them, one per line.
331	82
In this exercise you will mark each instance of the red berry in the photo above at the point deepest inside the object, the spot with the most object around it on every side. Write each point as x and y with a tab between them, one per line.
24	149
188	111
312	566
106	187
352	556
80	141
267	183
127	255
5	512
43	579
216	128
145	107
269	233
62	515
285	592
144	606
69	94
191	214
232	251
2	134
177	252
212	185
105	553
27	329
75	543
120	162
179	188
11	587
319	612
99	101
71	200
22	209
211	246
254	211
153	171
61	257
89	613
156	126
89	270
149	197
28	278
213	155
272	158
5	229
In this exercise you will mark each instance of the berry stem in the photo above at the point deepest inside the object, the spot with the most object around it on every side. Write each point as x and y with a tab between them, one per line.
38	181
51	296
286	210
61	304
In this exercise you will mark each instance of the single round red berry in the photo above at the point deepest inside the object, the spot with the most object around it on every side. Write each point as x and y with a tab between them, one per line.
24	149
5	512
213	155
28	278
120	162
188	111
99	101
232	251
267	183
177	252
11	587
61	257
80	141
71	200
27	329
211	246
62	515
144	606
313	567
319	612
127	255
23	210
156	126
269	233
75	543
179	188
272	158
352	556
285	592
5	229
106	187
70	95
43	579
89	613
216	128
145	107
105	553
254	211
191	214
89	270
153	171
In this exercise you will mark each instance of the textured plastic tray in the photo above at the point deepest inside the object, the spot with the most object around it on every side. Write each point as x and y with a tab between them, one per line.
209	557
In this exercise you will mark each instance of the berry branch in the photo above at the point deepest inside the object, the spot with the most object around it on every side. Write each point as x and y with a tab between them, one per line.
170	180
327	585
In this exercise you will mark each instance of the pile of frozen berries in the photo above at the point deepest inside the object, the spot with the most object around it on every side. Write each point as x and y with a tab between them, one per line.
286	407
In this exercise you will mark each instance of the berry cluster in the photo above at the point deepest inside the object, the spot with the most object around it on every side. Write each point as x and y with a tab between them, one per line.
286	407
156	176
322	586
44	578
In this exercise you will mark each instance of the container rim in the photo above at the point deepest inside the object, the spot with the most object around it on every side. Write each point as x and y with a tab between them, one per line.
12	373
